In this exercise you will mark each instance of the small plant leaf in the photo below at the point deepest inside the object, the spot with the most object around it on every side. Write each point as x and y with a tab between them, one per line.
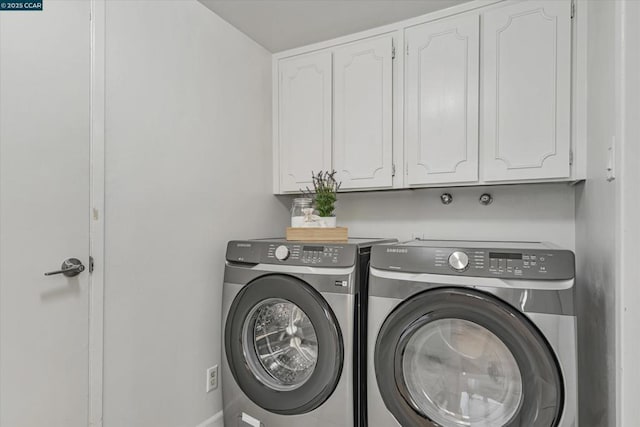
324	194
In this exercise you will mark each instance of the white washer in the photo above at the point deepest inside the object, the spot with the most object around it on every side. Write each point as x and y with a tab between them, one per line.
466	333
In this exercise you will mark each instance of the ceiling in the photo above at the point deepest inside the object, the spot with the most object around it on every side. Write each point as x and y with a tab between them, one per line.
284	24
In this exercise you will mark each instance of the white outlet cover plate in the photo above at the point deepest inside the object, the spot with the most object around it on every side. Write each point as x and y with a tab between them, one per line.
212	378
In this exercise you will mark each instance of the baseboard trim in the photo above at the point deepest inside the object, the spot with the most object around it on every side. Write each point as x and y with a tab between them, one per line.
216	420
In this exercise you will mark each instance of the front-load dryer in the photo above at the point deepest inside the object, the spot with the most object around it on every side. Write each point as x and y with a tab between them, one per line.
479	334
292	320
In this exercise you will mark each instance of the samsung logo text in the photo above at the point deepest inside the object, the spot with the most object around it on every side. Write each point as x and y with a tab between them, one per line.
397	251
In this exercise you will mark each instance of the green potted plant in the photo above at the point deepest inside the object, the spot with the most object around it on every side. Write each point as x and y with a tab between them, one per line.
324	195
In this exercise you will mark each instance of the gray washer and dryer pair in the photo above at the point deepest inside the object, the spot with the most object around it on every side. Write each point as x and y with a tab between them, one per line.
292	322
467	333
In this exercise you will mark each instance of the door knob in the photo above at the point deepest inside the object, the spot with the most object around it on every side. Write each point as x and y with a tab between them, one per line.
70	267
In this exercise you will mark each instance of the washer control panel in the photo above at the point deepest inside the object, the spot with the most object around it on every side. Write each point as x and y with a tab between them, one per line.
459	260
292	253
543	264
519	263
321	254
282	252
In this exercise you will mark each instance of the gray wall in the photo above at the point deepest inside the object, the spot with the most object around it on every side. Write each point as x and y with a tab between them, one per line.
596	220
188	148
519	212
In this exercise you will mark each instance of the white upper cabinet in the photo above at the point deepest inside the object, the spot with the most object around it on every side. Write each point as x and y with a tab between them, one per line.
362	146
442	79
304	119
526	87
478	94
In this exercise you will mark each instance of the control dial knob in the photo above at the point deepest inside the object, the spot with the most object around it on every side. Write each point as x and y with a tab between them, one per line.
282	252
459	260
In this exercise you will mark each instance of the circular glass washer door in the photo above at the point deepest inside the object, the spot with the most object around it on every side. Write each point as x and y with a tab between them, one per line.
458	357
280	343
283	344
460	374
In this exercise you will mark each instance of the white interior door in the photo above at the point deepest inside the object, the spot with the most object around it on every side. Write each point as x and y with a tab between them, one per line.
44	214
442	100
363	113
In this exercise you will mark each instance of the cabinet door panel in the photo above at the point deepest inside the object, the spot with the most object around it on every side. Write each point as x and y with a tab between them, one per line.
442	101
526	89
363	114
304	119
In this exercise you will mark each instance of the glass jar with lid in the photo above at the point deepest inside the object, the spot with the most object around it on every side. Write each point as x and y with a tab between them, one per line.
298	209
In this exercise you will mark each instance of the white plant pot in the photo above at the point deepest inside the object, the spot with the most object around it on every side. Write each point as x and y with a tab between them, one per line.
319	221
327	221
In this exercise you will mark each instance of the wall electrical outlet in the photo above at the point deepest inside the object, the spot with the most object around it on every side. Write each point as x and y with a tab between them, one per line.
212	378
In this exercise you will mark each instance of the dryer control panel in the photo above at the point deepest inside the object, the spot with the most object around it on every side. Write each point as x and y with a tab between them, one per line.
292	253
474	260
